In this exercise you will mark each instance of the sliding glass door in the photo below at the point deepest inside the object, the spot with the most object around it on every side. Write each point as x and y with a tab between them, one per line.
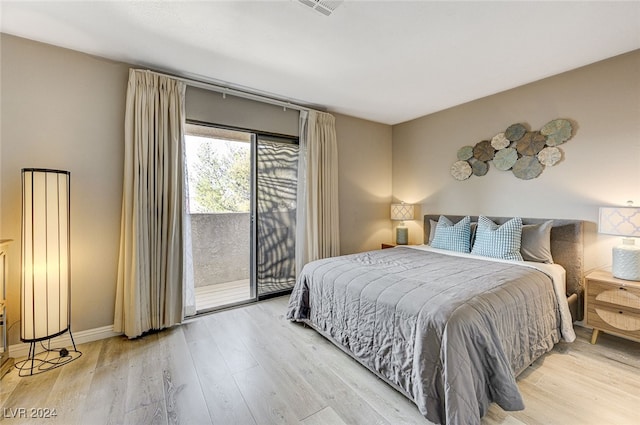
241	207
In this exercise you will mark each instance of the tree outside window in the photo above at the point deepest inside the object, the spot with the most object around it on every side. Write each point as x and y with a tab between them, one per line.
219	175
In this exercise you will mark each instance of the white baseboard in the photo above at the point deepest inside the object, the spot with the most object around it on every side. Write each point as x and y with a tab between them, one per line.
64	340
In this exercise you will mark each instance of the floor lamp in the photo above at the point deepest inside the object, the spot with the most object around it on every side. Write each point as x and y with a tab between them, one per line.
45	308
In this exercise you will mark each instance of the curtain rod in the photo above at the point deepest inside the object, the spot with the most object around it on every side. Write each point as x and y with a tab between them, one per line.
235	92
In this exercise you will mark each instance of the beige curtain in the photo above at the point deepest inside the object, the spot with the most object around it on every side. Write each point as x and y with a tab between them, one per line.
317	234
149	286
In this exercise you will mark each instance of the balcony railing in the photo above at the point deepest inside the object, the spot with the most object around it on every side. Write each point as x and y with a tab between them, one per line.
221	248
220	245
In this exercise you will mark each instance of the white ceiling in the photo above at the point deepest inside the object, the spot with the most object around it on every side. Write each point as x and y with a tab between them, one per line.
386	61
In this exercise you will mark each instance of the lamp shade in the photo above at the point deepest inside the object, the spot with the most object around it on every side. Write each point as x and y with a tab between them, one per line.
401	212
620	221
45	284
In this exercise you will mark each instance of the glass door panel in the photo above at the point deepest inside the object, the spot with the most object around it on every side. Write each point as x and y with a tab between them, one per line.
219	176
276	184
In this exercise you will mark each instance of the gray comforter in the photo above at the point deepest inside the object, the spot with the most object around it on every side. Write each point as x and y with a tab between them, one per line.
450	333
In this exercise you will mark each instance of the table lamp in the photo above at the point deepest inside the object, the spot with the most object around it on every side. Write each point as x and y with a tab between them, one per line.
402	212
623	221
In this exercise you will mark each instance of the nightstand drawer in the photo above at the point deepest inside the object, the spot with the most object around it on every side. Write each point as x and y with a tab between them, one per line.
624	295
620	321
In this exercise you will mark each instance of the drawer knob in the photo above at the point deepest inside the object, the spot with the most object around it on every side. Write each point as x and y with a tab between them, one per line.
622	288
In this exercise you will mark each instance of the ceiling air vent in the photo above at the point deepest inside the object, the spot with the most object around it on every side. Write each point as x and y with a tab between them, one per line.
326	7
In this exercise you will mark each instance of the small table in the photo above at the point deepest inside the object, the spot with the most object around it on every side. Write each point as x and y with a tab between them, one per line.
612	305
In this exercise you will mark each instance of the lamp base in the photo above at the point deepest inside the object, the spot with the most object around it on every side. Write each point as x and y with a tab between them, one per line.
626	262
402	235
47	359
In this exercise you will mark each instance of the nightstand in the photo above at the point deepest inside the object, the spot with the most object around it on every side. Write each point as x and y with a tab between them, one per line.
612	305
393	245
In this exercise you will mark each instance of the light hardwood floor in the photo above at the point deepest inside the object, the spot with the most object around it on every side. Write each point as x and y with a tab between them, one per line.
250	366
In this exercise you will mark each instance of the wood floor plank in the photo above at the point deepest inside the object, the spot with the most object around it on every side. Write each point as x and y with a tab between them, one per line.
31	391
326	382
324	417
70	389
618	383
264	398
107	396
235	354
316	374
493	418
595	400
153	413
351	407
385	400
299	396
195	330
145	385
115	351
224	400
185	403
8	383
250	366
568	386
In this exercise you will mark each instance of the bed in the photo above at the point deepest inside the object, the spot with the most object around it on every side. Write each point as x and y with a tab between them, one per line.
449	330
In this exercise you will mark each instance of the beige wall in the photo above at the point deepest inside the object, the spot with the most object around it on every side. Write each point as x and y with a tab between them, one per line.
364	181
64	109
601	163
210	107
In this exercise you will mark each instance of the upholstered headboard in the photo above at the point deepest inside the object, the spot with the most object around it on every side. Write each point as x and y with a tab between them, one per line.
567	249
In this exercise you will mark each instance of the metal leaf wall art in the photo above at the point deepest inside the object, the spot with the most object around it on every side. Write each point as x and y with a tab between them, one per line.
526	153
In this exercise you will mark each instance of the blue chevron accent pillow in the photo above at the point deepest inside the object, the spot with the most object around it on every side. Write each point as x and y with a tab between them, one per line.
501	241
453	237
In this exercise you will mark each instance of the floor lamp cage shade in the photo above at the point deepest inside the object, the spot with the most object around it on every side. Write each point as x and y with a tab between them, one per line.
45	291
